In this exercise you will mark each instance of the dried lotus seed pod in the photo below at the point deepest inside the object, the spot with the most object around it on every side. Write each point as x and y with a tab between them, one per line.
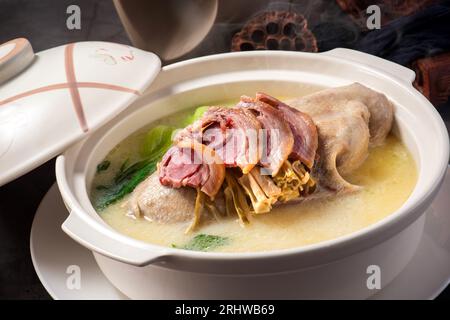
275	30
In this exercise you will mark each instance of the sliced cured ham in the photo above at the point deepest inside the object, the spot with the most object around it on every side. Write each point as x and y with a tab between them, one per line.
192	164
275	139
302	127
231	132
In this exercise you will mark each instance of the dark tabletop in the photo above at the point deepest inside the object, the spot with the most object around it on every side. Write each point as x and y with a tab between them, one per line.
44	24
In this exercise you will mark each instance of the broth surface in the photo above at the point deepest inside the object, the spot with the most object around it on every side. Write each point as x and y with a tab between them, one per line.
388	177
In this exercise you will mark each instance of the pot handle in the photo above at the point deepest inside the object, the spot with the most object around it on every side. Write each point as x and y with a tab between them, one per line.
393	69
15	56
117	247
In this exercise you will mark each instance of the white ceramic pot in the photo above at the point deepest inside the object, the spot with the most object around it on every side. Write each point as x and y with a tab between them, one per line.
331	269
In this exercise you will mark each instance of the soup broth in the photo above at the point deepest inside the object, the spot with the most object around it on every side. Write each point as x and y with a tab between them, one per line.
388	177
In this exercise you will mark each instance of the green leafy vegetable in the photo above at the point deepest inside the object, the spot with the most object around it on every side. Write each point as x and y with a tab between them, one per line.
102	166
155	144
198	113
157	139
204	242
125	186
126	173
127	179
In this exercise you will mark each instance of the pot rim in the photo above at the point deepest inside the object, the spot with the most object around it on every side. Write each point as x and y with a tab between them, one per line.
384	228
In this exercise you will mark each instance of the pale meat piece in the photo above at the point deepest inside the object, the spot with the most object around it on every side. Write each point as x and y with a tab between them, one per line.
380	108
155	202
161	204
343	145
349	119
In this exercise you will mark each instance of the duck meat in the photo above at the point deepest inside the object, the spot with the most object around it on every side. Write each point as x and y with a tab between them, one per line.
349	120
379	107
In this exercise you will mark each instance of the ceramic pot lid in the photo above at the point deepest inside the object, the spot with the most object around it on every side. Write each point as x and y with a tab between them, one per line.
52	99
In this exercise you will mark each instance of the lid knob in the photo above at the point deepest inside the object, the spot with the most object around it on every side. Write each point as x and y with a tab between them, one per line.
15	56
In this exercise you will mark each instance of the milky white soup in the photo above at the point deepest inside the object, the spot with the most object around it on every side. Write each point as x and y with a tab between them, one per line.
388	177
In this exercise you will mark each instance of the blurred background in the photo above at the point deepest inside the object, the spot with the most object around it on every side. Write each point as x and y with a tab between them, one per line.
414	33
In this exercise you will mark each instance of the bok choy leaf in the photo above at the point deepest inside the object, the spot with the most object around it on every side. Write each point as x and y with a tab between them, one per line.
155	144
204	242
198	113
